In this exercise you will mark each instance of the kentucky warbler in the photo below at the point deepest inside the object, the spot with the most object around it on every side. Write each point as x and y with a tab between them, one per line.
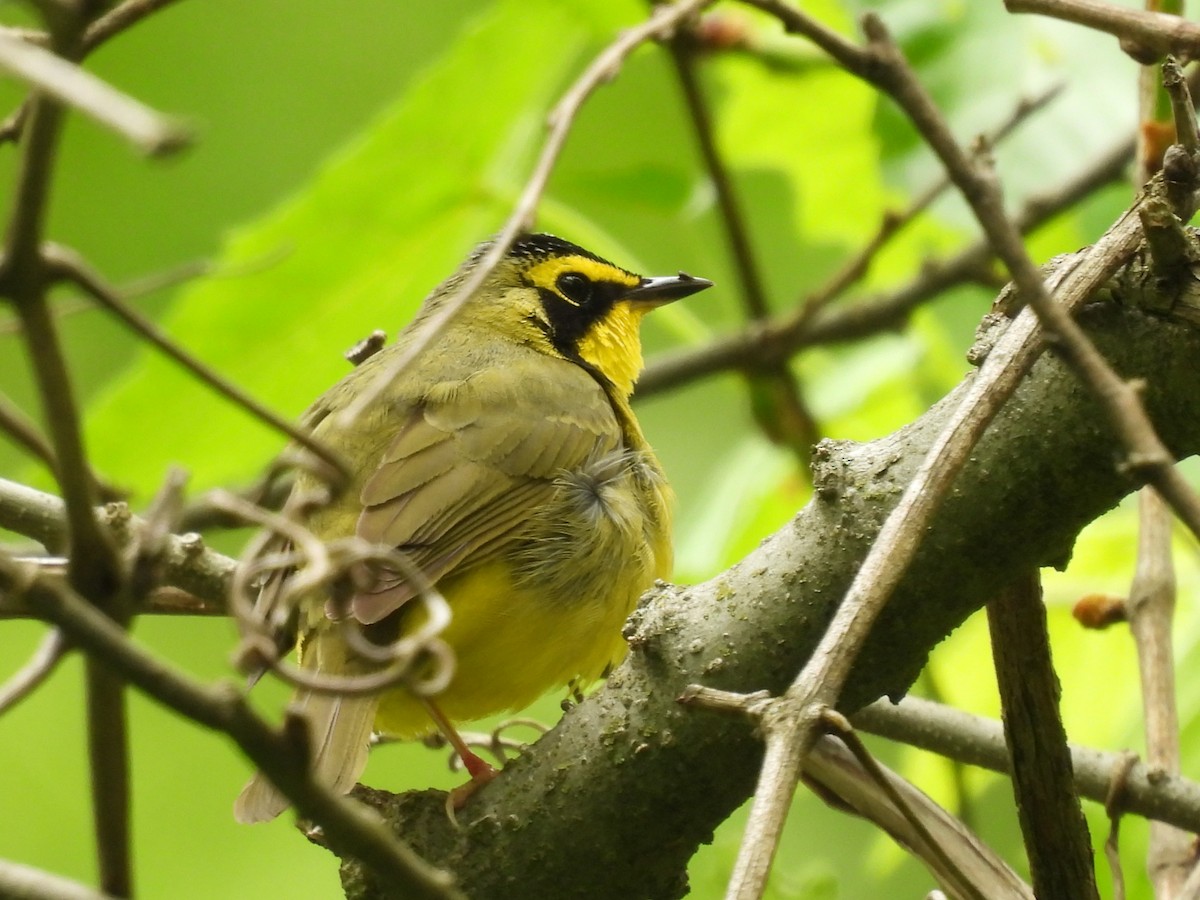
507	464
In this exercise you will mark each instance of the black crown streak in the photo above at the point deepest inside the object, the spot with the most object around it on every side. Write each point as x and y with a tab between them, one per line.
545	246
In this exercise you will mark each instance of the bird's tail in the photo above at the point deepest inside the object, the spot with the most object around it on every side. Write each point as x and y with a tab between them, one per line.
340	730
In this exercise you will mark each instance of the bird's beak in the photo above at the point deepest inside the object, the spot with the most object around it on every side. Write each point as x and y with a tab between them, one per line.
654	292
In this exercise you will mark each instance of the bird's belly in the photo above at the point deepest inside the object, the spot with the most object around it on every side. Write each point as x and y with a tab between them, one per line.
549	610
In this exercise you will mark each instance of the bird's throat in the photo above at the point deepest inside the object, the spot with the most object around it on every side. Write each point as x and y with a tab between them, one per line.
613	346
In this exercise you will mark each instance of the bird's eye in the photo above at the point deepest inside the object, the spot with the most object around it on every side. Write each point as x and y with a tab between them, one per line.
574	287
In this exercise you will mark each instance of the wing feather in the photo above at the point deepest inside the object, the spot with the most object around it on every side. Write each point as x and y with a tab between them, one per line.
474	459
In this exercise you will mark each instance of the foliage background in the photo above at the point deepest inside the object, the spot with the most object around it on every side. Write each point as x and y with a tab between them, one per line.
350	158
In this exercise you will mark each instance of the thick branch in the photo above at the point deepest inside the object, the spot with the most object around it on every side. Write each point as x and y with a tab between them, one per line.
668	776
1057	841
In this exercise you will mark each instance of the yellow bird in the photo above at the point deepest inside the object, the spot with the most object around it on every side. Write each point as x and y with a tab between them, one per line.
507	464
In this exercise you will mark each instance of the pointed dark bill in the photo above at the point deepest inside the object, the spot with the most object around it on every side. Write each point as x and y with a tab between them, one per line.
664	289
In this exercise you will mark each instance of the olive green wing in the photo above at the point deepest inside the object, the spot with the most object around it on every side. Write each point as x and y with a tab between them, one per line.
472	461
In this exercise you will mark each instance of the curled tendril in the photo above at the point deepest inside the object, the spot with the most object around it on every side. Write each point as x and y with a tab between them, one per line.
286	565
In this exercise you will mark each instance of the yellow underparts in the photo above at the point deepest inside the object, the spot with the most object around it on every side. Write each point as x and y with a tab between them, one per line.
511	646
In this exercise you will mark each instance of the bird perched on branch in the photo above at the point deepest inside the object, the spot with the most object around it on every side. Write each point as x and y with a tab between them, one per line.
506	464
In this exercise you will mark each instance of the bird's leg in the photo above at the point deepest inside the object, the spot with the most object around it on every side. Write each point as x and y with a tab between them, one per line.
481	772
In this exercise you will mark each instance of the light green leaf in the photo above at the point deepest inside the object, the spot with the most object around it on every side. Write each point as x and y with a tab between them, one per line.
378	227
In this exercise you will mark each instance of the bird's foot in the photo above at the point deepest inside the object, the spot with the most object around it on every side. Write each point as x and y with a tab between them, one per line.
481	774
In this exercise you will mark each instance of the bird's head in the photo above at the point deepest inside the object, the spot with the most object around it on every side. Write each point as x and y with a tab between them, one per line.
568	302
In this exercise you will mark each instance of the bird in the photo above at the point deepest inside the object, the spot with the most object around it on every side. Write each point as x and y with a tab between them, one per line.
507	464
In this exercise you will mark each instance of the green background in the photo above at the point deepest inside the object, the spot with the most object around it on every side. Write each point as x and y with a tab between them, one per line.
350	155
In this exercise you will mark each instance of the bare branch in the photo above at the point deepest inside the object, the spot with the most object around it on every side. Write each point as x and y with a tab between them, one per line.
780	409
925	845
788	334
1056	835
27	883
1146	36
737	235
35	672
961	862
188	564
120	18
1182	108
1151	610
1114	806
24	433
980	742
47	72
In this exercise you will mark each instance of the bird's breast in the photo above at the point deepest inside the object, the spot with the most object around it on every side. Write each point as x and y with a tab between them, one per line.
603	536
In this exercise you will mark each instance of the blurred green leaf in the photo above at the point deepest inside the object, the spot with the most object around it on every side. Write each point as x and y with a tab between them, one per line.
380	225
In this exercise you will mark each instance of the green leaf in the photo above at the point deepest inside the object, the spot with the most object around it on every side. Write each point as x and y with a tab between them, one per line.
378	227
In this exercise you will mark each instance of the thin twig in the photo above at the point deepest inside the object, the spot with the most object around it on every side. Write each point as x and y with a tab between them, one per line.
1114	806
978	741
1147	36
1182	110
1057	842
894	223
35	672
780	409
188	564
108	762
131	290
1181	113
1151	610
24	433
150	131
162	601
737	235
788	334
841	727
120	18
962	863
27	883
67	265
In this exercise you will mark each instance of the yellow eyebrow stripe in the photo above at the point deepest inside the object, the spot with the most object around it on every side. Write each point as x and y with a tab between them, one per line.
545	273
